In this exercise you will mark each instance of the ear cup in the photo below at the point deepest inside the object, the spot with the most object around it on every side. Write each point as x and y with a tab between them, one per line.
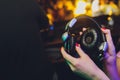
89	39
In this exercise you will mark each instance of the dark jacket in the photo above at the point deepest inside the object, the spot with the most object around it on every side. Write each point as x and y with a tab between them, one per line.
21	47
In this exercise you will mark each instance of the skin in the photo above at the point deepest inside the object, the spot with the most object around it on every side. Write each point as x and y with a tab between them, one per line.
78	65
110	57
118	62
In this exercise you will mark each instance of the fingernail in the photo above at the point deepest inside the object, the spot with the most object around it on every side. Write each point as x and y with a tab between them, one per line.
60	49
77	45
103	28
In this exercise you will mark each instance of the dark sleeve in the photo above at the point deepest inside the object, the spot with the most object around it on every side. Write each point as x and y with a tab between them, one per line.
21	47
42	19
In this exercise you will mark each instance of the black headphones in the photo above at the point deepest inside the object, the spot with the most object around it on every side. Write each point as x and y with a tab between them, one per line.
92	39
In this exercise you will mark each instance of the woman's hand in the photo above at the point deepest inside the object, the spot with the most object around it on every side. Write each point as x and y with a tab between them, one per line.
110	56
83	65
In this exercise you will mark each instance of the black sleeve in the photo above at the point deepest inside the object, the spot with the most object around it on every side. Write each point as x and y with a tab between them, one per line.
21	47
42	19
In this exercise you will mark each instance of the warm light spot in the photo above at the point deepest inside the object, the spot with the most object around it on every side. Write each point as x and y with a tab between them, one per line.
109	18
110	13
50	19
80	7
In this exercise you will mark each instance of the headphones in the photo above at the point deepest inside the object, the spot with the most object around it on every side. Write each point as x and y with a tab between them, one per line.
92	40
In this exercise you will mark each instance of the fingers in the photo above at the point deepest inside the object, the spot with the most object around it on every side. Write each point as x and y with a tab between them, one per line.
79	50
107	34
69	59
111	47
67	56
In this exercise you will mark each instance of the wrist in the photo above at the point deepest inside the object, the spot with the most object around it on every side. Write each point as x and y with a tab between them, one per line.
100	75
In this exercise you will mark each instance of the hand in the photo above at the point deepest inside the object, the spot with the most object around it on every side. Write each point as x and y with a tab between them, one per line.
110	56
83	65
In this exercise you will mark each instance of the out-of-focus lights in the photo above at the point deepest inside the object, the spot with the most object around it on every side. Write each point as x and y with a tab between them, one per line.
80	7
51	27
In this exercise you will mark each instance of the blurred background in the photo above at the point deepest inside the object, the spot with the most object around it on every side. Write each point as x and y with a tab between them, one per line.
59	12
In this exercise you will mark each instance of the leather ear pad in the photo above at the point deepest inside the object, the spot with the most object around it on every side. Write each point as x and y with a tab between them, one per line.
90	39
